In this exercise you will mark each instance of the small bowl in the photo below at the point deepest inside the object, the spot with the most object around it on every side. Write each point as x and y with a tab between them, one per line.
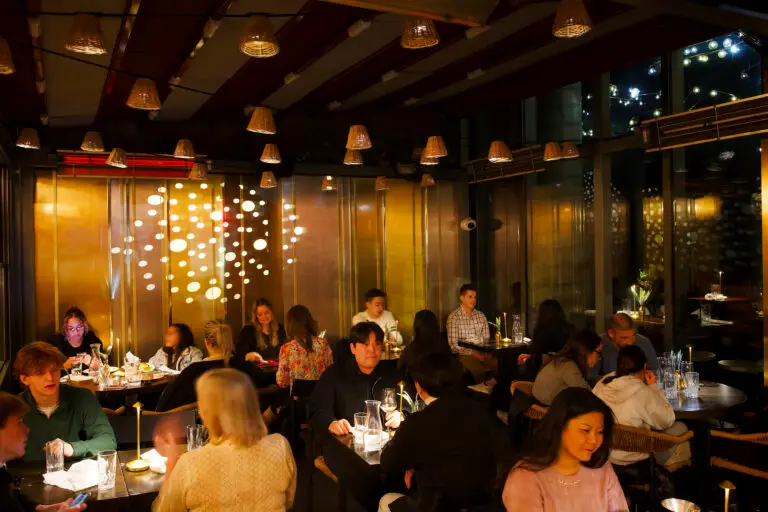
678	505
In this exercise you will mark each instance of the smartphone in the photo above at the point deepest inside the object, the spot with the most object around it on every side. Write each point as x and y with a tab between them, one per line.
79	499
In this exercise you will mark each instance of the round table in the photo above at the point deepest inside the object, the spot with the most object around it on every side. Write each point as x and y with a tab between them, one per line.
742	365
700	356
714	401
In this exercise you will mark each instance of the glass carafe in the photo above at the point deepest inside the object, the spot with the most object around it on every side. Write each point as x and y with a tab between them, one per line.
372	437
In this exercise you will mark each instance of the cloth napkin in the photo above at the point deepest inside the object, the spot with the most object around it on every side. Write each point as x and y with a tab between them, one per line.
130	358
165	369
81	475
156	461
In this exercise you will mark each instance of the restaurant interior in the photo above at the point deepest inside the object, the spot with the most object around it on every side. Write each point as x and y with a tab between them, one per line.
166	162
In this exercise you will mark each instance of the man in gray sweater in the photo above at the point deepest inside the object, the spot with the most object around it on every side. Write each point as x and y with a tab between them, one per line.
622	332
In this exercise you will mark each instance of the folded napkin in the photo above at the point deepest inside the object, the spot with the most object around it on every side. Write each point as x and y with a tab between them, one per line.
165	369
156	461
81	475
130	358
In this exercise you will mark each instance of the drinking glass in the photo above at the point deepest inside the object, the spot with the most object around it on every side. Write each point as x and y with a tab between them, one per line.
76	371
107	460
132	374
194	437
706	312
372	440
517	329
361	425
686	367
715	289
691	385
54	456
388	401
670	384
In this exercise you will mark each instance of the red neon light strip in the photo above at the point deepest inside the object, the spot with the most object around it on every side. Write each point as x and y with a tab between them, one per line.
117	172
133	162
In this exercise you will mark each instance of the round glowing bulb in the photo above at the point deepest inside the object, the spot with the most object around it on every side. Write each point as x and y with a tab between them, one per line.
201	256
226	274
262	203
241	273
223	300
128	251
290	261
252	261
189	300
285	247
164	259
170	277
249	206
142	263
191	252
203	186
253	192
192	207
192	195
213	293
176	229
291	217
193	286
298	231
249	229
217	216
182	263
259	266
226	209
246	281
115	250
230	256
240	229
237	264
229	286
147	276
236	244
191	273
244	253
200	225
239	216
138	223
179	186
236	296
148	247
294	239
219	264
266	272
265	222
152	213
150	287
174	217
190	236
175	289
236	201
159	236
161	190
173	202
211	241
201	246
203	269
178	245
155	200
212	281
162	222
287	206
260	244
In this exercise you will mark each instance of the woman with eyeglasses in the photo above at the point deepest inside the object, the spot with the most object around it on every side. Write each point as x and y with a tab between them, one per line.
75	339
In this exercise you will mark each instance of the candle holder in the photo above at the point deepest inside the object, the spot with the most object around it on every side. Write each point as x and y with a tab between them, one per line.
402	385
690	353
727	487
138	464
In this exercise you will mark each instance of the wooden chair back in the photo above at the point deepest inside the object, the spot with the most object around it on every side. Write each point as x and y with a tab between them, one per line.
535	411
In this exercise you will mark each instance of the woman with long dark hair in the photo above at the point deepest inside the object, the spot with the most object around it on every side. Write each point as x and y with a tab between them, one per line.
306	356
550	334
75	339
569	367
262	338
427	339
178	350
566	467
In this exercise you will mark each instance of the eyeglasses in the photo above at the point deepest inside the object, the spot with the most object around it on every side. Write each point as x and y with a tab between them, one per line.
76	329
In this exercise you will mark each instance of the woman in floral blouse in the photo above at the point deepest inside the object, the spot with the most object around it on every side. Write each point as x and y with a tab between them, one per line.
305	356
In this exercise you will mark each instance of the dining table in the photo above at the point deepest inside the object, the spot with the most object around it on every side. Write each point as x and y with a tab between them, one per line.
505	352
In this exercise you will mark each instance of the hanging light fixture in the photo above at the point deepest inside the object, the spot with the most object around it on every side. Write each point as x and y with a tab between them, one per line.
268	180
570	150
358	138
427	160
499	153
328	184
144	95
435	147
6	59
259	38
185	150
552	152
572	20
28	139
353	157
117	158
92	143
419	33
86	36
271	154
262	121
199	171
427	180
382	183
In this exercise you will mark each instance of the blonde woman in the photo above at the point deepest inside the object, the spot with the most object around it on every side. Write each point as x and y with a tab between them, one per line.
218	344
241	467
261	340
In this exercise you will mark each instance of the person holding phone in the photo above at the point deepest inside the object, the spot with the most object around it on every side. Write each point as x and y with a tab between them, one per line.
13	441
75	339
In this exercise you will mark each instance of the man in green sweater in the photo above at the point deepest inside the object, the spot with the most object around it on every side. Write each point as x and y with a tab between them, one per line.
65	414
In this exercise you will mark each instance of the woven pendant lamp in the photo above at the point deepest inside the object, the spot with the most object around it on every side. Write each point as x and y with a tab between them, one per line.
499	152
86	36
92	143
328	184
358	138
144	95
353	157
259	38
419	33
28	139
271	154
426	160
268	180
435	147
382	183
6	59
185	150
427	180
199	171
262	121
572	20
570	150
552	152
117	158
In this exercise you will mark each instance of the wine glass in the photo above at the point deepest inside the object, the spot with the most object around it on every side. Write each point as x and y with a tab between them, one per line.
388	401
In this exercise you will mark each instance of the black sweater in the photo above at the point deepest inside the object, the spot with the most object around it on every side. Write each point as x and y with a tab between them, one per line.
11	500
449	446
182	390
247	342
59	341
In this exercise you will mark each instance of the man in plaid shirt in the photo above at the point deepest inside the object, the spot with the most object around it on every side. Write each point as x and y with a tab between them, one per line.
467	323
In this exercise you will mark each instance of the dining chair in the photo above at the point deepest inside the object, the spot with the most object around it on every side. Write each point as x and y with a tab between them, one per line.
721	462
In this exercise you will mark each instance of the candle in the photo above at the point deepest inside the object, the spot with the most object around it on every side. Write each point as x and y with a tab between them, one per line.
690	353
727	486
401	398
721	281
506	332
138	430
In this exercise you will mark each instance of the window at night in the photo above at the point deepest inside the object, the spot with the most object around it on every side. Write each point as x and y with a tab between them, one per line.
635	93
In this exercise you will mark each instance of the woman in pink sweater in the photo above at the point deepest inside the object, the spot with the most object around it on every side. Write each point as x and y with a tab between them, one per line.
566	468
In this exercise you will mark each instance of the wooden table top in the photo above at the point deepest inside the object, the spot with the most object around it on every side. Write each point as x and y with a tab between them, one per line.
742	365
371	458
493	347
727	299
714	401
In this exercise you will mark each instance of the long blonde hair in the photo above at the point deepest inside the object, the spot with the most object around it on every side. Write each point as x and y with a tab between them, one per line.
273	325
229	406
219	335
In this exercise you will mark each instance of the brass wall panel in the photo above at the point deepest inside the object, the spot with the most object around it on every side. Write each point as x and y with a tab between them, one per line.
45	279
506	234
367	264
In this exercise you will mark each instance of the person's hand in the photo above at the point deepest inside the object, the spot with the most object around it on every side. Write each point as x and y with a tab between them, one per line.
650	377
67	449
340	427
491	383
165	438
61	507
72	361
409	478
522	358
393	419
253	357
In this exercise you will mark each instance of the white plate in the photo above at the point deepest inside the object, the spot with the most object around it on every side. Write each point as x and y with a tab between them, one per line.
79	378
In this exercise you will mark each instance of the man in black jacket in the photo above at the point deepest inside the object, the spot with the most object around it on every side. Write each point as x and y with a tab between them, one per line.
444	451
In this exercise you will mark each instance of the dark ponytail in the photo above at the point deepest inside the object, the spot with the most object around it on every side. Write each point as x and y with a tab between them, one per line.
631	359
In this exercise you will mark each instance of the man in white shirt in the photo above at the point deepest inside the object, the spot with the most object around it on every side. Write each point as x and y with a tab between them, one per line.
375	301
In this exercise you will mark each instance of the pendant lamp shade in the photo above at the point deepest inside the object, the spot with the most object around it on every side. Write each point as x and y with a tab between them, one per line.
262	121
28	139
6	59
328	184
117	158
185	150
353	157
552	152
499	152
259	38
268	180
86	36
570	150
144	95
271	154
572	19
358	138
426	160
427	180
92	143
199	171
419	33
435	147
382	183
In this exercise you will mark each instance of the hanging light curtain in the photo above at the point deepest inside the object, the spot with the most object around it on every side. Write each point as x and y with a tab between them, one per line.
268	180
86	36
572	20
499	152
271	154
6	59
199	171
353	157
185	150
117	158
382	183
262	121
427	180
92	143
259	38
358	138
435	147
328	184
28	139
144	95
552	152
570	150
419	33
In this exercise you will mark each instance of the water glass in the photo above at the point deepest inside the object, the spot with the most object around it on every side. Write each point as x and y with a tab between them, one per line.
107	461
372	440
132	374
706	312
361	425
54	456
691	385
670	384
194	437
77	371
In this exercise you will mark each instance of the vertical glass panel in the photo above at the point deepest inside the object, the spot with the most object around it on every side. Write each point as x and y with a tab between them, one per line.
47	320
366	243
635	93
